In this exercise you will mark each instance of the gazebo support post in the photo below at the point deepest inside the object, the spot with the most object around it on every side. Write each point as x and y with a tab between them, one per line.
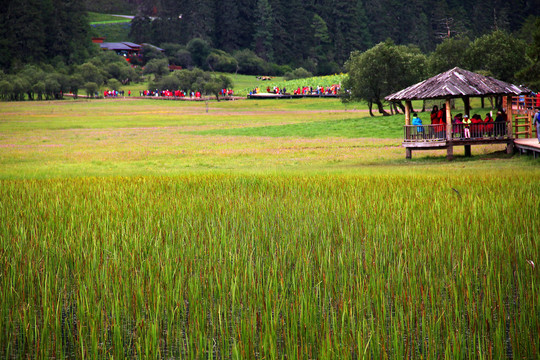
510	116
450	148
408	107
467	106
467	111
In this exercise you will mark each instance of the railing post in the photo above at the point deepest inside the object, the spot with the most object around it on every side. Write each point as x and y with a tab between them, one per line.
509	115
450	149
448	121
530	122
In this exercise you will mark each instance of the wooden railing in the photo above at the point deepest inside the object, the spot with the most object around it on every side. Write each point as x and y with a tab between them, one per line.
522	103
423	133
479	131
523	125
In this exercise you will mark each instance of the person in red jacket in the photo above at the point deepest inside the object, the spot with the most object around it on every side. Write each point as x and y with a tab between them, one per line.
434	121
477	126
441	128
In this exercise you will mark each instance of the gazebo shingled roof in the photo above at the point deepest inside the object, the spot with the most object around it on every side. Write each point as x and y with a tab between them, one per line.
457	83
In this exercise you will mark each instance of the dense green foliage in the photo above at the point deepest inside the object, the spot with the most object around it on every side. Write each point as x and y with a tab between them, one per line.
530	74
42	30
381	70
44	82
320	35
261	37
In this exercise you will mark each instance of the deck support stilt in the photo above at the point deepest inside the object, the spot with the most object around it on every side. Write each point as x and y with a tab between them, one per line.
450	153
467	150
510	148
408	153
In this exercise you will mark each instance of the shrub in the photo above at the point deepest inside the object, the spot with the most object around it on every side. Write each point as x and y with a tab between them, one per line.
299	73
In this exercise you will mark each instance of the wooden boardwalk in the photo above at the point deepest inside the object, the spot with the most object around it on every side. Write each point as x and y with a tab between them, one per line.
290	96
528	146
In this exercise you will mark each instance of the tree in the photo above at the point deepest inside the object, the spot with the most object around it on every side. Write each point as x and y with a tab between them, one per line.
249	63
199	50
381	70
91	88
75	83
141	29
530	74
6	89
35	31
219	60
169	82
216	83
499	53
150	52
263	30
349	28
90	73
183	58
227	34
157	67
449	54
299	73
114	84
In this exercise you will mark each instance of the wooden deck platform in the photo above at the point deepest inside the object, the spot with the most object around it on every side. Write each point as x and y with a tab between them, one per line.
528	146
450	145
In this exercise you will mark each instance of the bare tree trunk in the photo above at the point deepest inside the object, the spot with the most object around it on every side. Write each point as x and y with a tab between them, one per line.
482	102
402	107
370	107
381	107
424	106
498	102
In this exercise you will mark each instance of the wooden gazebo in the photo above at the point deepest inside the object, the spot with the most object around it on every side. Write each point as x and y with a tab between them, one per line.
455	83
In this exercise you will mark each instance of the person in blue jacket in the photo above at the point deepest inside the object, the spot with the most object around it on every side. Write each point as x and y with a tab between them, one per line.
537	123
417	121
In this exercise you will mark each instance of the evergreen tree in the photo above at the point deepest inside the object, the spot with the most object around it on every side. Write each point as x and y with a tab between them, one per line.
263	33
228	26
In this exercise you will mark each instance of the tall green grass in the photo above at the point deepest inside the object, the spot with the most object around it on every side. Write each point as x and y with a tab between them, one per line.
216	266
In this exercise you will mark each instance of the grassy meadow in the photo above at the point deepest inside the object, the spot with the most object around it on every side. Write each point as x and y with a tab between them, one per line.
258	230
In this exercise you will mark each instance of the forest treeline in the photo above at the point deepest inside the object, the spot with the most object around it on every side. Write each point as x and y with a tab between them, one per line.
319	35
46	45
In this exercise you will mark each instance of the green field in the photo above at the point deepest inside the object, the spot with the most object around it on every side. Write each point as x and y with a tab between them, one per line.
258	229
98	18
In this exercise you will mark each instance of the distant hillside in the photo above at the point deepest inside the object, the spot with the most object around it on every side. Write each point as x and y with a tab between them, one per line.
112	7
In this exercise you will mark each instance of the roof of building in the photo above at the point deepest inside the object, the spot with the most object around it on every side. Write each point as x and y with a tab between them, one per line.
154	46
115	46
457	83
132	45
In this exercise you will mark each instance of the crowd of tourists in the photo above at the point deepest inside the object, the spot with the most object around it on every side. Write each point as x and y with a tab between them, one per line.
114	93
305	90
181	93
462	127
319	90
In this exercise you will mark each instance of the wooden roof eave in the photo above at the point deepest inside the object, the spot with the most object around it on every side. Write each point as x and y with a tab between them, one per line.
457	83
451	97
